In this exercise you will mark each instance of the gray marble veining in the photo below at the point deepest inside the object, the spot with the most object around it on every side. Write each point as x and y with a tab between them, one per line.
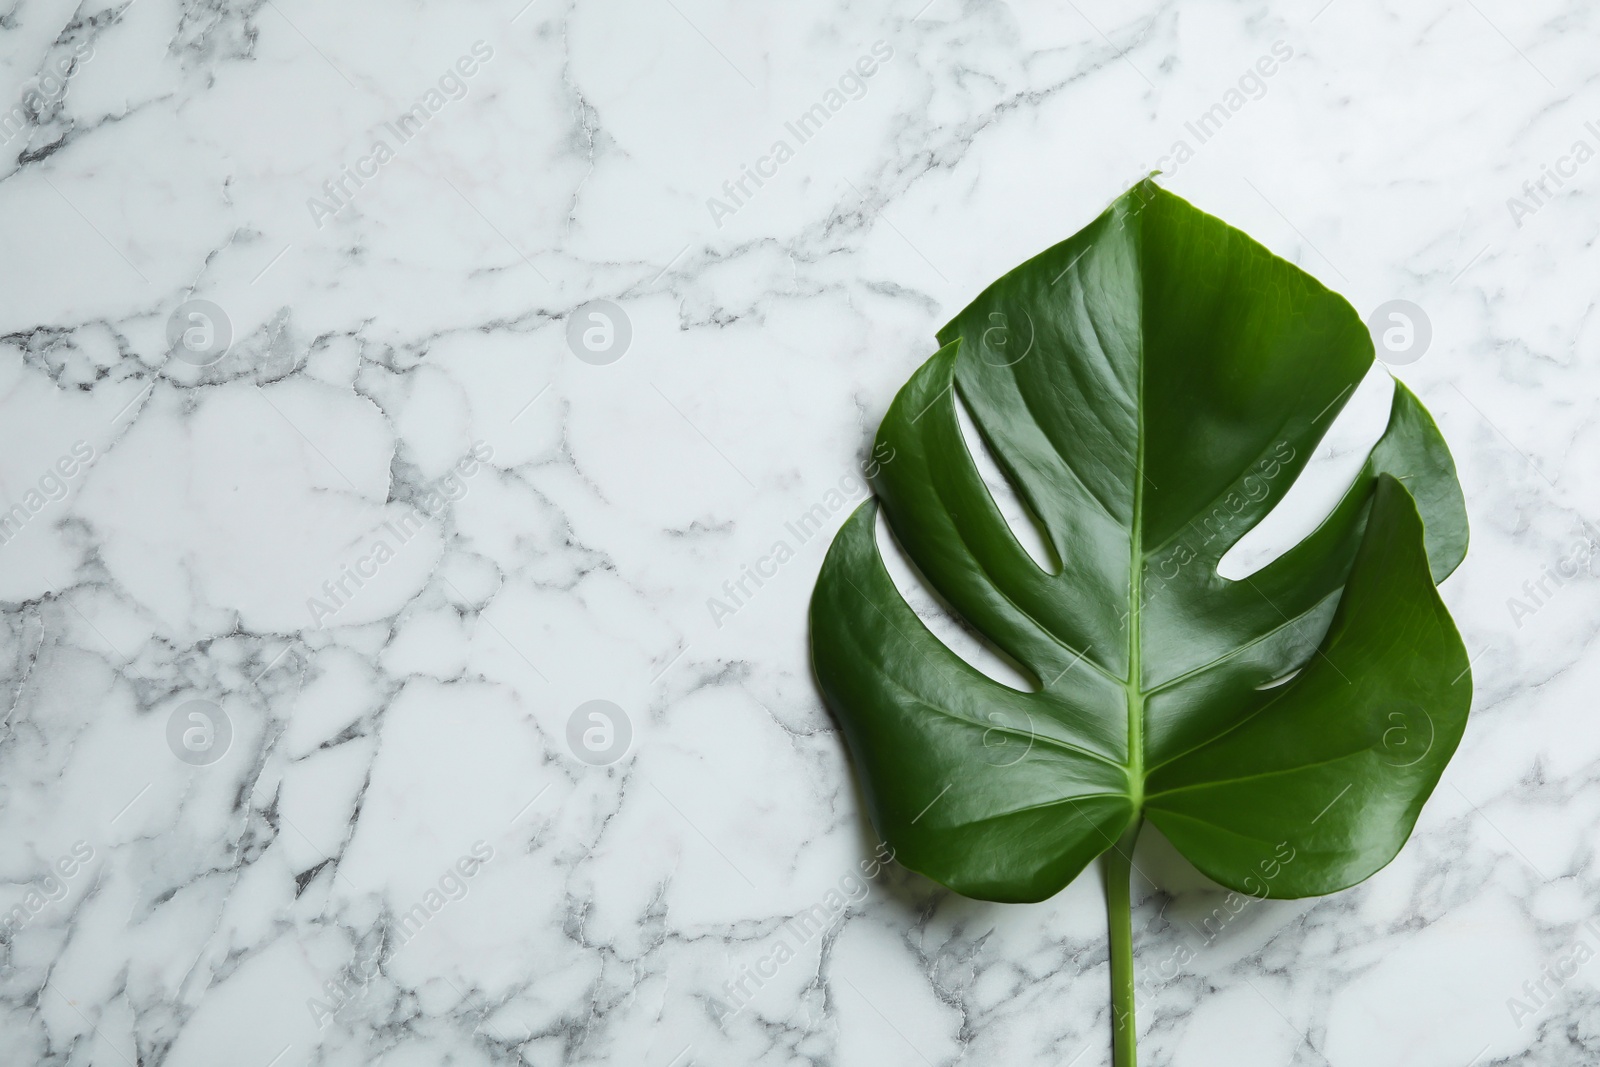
422	427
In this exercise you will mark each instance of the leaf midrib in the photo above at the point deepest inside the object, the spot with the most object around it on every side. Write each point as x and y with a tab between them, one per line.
1135	682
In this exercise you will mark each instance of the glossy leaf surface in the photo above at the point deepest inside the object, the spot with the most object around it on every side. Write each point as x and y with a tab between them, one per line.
1151	388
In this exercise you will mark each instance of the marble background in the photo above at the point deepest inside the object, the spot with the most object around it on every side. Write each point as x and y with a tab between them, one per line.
240	751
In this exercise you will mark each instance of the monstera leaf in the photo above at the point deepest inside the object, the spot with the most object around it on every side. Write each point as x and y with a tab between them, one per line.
1151	388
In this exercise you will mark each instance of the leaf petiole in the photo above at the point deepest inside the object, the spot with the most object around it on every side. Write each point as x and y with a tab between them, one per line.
1119	915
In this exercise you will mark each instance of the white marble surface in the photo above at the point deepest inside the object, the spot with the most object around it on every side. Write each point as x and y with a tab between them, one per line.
249	906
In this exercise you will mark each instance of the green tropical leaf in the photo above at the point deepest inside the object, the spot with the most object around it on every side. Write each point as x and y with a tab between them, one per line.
1151	388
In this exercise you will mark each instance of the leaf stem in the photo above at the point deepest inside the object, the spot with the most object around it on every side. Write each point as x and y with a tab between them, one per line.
1119	915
